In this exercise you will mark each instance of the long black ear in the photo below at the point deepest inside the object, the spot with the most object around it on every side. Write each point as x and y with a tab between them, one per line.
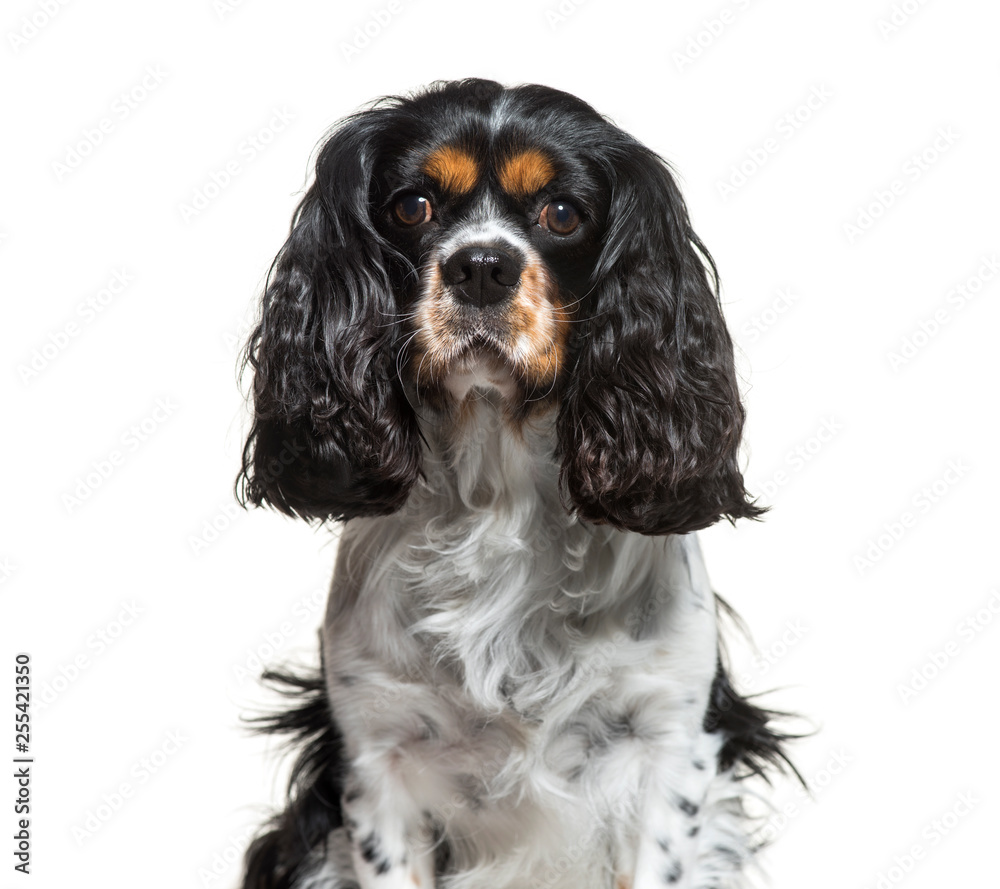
333	436
650	424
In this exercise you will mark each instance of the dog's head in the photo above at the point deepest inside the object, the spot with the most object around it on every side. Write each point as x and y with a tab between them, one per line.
476	236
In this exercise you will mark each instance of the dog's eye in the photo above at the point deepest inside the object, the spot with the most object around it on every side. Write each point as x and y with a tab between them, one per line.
560	218
412	209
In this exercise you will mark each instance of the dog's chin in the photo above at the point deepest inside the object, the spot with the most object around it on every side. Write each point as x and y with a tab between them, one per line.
481	369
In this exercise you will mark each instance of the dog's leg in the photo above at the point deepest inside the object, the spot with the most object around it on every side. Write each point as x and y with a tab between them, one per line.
667	843
391	846
678	807
695	838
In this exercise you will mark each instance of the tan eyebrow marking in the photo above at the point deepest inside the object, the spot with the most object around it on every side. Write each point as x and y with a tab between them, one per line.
452	168
526	172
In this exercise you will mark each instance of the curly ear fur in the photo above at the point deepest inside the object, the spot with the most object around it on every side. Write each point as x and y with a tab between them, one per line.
650	425
333	436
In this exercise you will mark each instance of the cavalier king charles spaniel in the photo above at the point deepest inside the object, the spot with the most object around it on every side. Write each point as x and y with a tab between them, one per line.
493	346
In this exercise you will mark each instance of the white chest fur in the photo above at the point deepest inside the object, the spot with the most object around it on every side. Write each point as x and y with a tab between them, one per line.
506	672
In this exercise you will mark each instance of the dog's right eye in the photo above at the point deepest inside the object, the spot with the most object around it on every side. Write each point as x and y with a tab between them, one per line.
412	209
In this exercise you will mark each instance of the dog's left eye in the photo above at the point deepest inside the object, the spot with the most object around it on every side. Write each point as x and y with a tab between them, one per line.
560	218
412	209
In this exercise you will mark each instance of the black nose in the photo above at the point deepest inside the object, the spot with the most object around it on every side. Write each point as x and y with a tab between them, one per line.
482	276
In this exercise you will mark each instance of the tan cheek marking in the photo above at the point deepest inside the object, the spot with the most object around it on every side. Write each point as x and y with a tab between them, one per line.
539	327
452	169
436	339
526	173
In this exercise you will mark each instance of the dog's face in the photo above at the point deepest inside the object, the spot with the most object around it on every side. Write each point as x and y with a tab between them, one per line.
503	226
476	236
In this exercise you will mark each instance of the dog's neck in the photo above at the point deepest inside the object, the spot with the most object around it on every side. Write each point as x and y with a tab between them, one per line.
483	456
492	570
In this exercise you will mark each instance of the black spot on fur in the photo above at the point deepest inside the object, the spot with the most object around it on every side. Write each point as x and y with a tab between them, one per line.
369	848
471	790
278	857
699	765
729	855
371	851
675	873
663	843
442	851
620	727
346	679
693	832
687	807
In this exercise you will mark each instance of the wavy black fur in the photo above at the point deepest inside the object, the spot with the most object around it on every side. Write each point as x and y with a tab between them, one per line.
280	855
752	743
333	435
651	422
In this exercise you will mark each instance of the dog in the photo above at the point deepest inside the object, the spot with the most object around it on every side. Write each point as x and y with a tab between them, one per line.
493	347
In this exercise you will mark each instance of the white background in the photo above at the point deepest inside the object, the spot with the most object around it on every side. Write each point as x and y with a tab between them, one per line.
706	84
